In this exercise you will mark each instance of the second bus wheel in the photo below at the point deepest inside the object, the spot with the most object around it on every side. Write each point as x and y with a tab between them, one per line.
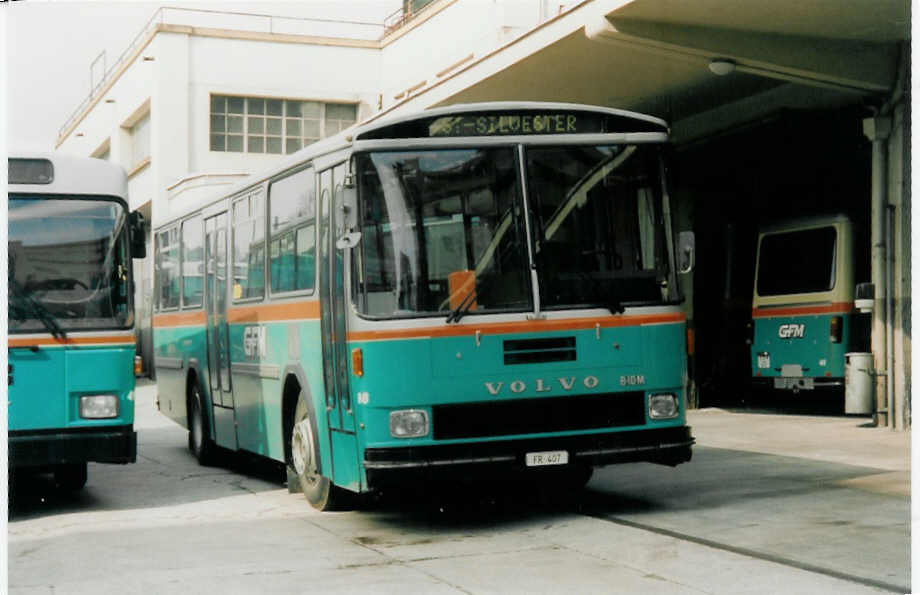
319	491
70	476
199	442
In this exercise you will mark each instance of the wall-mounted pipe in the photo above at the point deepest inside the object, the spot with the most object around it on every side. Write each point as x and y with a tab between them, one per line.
877	130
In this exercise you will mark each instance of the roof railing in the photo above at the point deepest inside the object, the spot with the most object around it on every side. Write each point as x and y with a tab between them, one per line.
409	10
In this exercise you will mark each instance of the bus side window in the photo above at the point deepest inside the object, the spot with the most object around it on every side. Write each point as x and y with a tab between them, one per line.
167	274
292	232
192	263
249	247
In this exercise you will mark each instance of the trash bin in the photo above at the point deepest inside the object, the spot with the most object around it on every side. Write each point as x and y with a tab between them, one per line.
858	384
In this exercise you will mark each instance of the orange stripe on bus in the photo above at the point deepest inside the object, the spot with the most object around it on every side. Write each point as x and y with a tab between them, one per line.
28	342
275	312
179	319
532	326
836	307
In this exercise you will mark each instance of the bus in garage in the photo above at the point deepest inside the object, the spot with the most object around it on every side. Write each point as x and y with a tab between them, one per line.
803	318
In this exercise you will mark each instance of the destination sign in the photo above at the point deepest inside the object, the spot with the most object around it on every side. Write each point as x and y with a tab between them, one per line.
515	122
502	124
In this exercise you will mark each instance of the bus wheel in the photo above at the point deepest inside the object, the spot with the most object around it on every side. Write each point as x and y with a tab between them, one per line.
199	442
319	491
70	477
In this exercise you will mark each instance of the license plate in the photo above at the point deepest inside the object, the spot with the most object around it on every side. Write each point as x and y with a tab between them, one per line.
550	457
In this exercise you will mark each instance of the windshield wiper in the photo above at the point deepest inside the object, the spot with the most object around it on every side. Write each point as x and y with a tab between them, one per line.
463	307
23	306
612	302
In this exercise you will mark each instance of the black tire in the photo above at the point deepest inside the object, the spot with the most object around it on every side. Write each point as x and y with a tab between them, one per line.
199	442
580	477
70	477
303	462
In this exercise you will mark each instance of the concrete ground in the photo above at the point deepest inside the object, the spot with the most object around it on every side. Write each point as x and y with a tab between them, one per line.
770	504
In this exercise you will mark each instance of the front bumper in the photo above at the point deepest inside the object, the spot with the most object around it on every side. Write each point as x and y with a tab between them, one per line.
32	448
390	466
795	383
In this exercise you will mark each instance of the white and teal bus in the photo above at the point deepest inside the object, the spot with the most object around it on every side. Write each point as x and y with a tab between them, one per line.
803	316
483	290
71	343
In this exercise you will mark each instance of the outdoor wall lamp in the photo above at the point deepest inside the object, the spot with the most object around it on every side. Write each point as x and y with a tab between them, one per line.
722	66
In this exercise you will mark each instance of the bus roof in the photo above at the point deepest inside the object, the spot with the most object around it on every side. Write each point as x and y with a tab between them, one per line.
346	138
71	174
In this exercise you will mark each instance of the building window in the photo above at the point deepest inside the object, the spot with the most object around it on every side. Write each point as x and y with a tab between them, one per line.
249	247
140	140
167	265
292	252
274	126
192	262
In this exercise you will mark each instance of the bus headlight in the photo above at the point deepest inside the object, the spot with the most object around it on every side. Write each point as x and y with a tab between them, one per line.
98	406
662	406
409	423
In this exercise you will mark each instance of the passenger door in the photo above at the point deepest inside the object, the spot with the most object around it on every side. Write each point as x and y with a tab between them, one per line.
341	417
218	333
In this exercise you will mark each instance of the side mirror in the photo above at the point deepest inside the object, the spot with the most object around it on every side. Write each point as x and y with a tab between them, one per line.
349	240
349	205
136	233
686	251
865	297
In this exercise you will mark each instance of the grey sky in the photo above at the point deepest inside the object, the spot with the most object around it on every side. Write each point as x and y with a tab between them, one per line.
50	46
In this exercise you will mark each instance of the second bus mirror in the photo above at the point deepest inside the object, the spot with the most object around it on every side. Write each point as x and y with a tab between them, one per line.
865	297
349	240
686	251
349	206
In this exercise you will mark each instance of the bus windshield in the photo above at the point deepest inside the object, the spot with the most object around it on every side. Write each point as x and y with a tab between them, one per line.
600	237
441	227
443	230
802	261
68	265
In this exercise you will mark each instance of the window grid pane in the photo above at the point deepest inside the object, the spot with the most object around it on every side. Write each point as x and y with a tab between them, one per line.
264	125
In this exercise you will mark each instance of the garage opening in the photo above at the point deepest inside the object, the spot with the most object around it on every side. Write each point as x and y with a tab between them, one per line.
795	164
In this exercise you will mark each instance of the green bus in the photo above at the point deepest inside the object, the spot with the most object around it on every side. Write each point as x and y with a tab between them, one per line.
71	344
479	291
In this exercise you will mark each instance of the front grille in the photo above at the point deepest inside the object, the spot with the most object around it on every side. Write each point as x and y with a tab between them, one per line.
534	416
539	351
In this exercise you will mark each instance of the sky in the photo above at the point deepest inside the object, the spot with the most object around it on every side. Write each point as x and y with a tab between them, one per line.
50	45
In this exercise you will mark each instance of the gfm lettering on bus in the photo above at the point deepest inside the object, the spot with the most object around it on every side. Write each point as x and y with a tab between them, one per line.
791	331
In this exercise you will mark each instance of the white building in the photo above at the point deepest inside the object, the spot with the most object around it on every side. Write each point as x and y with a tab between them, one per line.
202	99
777	109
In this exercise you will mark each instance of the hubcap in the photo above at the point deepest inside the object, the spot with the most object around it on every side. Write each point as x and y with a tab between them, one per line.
302	448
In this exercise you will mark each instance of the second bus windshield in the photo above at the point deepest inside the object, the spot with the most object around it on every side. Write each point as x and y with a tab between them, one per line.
444	229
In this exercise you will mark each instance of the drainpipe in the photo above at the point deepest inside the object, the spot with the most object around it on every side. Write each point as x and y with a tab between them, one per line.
876	130
889	320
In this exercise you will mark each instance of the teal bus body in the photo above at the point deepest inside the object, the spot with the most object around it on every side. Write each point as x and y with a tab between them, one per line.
803	320
71	343
360	371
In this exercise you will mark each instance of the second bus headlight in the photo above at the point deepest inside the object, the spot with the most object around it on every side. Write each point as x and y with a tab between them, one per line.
408	423
663	406
98	406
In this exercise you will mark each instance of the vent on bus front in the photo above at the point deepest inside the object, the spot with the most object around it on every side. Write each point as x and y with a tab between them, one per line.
535	416
539	351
